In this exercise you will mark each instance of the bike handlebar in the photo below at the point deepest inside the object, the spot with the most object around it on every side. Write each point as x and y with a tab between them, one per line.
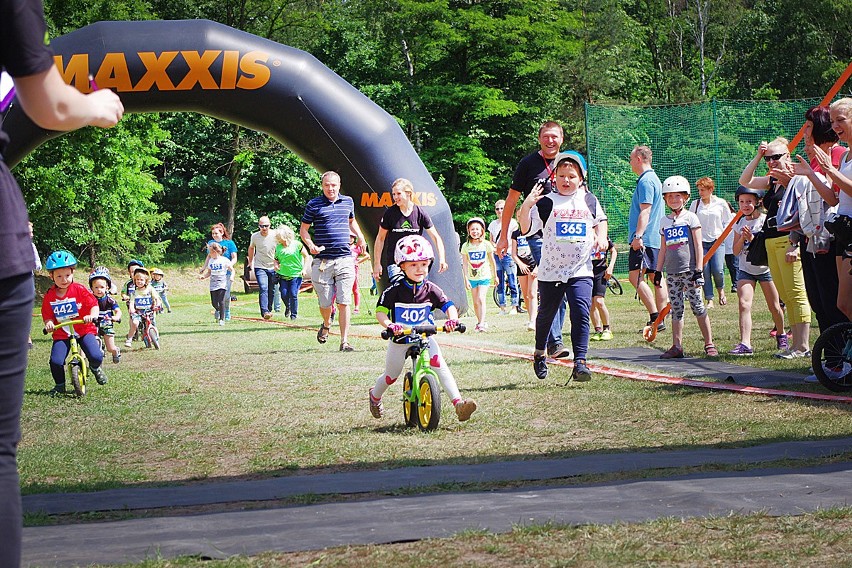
426	330
44	331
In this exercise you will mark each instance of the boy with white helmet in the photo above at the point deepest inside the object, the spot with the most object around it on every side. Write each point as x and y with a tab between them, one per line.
100	282
682	255
409	302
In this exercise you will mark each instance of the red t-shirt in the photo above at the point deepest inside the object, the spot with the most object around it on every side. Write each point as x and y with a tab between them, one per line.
77	302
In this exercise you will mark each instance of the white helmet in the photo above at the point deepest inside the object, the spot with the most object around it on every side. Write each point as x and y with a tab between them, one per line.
412	248
676	184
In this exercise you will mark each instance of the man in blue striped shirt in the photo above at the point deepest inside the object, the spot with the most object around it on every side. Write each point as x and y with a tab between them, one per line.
333	268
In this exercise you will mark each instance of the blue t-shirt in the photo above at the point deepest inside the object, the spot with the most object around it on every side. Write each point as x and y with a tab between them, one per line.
649	189
331	224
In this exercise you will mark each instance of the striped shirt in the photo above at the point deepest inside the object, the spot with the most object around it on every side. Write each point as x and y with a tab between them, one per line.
331	224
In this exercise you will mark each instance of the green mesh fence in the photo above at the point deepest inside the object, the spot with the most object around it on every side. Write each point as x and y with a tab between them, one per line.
716	139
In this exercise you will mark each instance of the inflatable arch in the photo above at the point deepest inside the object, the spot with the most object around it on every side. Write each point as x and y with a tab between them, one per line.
210	68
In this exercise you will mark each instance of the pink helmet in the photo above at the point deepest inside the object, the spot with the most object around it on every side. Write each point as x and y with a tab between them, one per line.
412	248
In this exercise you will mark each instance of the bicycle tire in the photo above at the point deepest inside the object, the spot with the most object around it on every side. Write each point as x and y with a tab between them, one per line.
831	357
154	337
78	378
494	295
409	408
615	286
429	411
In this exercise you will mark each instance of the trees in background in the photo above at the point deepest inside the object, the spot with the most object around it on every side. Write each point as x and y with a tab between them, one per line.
468	80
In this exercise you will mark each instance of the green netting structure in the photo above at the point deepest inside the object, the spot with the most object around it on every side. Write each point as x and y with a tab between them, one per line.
715	138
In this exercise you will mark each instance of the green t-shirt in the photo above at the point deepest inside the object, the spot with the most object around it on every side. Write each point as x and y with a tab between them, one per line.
289	259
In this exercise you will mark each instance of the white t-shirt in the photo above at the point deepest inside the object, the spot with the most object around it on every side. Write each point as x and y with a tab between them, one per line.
755	225
568	235
714	217
494	229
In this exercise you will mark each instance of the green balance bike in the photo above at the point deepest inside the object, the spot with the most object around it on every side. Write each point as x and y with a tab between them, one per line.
76	364
421	397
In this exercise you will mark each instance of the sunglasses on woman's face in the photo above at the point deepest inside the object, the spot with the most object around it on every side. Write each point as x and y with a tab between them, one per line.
775	157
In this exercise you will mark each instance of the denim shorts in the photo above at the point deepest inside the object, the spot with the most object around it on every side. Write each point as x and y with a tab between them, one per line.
742	275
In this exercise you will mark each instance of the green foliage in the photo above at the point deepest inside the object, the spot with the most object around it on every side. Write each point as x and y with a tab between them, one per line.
91	191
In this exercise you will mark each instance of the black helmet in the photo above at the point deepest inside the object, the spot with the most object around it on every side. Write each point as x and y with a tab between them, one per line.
743	190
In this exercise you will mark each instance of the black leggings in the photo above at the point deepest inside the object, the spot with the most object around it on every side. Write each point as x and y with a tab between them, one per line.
217	298
16	308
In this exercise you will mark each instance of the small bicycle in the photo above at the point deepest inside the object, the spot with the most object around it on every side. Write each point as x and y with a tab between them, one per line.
421	397
614	286
507	293
148	329
832	357
76	363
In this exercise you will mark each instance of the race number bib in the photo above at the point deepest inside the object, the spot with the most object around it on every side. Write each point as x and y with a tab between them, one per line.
476	256
412	314
571	231
142	303
65	309
677	235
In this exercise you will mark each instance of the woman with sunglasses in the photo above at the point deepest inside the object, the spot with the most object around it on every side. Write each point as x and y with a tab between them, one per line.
782	248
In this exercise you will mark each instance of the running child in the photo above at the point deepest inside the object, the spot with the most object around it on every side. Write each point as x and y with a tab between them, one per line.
67	300
602	273
408	302
749	274
161	287
574	226
479	267
682	255
142	298
217	269
100	283
292	263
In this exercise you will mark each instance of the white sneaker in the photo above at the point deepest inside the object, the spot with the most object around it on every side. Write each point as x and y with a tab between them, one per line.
531	326
128	342
504	311
513	311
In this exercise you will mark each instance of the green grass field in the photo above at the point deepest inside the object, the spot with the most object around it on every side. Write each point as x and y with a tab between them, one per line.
257	399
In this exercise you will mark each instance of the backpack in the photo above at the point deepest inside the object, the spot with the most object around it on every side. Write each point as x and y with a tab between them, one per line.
789	213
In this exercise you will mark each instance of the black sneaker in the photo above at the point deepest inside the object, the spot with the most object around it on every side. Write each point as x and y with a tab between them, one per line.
540	366
558	351
100	376
57	390
581	372
661	327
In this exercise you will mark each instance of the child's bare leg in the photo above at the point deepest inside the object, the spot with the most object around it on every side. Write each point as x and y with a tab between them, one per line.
745	293
111	347
594	315
599	304
677	333
704	325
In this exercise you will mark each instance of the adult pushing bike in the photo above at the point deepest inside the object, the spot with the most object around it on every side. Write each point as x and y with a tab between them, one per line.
405	311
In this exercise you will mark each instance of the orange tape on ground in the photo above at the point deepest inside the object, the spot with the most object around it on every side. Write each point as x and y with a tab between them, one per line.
617	372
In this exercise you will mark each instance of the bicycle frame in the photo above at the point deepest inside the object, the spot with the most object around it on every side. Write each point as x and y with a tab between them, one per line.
75	362
421	395
148	330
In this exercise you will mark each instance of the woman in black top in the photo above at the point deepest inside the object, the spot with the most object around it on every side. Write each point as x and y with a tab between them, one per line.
51	104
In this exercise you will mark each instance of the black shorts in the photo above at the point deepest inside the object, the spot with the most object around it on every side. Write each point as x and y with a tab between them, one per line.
529	263
643	258
598	282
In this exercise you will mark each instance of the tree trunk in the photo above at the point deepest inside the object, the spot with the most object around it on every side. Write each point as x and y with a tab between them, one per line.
234	169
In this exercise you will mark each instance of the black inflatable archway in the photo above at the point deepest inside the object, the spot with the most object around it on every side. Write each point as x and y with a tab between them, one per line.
205	67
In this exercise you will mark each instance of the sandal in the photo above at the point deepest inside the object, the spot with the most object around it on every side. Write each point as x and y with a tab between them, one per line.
710	350
322	334
346	347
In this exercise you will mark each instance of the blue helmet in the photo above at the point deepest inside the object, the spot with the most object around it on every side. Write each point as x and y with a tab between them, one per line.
573	156
101	272
60	259
134	262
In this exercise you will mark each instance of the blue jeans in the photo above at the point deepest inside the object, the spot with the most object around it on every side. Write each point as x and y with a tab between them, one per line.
16	315
290	293
714	268
577	293
506	268
266	280
554	336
